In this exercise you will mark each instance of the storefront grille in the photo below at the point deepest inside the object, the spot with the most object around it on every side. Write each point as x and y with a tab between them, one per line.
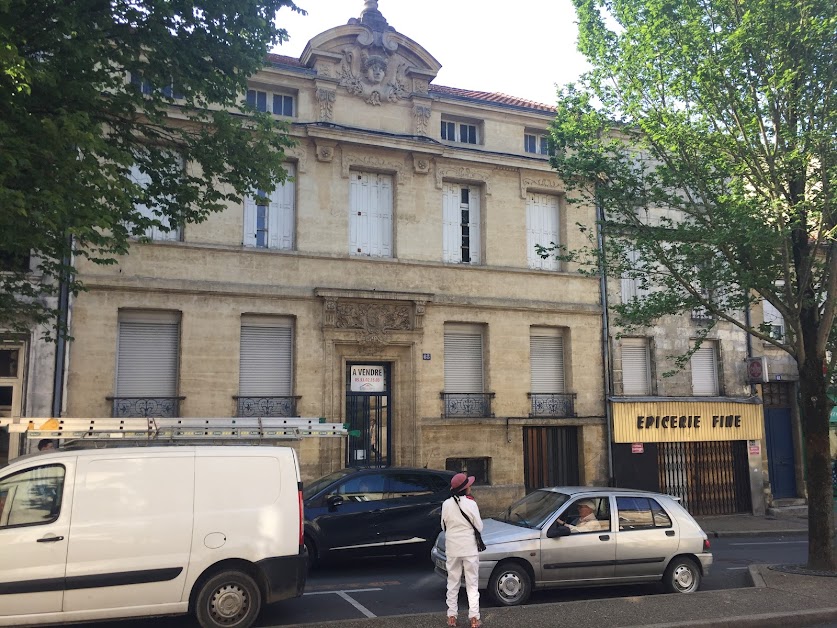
709	477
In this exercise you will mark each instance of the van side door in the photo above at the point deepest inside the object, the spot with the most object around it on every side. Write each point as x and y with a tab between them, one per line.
35	505
132	529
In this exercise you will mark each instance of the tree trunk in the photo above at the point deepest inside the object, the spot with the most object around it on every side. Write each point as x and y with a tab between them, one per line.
814	406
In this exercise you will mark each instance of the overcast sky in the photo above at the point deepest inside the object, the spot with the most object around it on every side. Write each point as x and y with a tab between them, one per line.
518	48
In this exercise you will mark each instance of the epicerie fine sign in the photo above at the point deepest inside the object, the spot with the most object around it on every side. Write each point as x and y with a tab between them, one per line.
367	379
686	421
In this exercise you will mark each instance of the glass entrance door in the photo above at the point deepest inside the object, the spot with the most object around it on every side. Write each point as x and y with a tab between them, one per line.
368	404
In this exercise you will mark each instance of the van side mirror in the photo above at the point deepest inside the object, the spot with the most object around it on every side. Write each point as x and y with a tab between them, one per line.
334	501
556	531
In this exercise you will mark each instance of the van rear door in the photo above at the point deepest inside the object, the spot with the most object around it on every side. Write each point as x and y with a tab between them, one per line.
132	529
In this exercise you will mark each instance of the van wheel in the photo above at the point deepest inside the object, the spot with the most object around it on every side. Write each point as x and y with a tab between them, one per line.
230	599
682	576
510	584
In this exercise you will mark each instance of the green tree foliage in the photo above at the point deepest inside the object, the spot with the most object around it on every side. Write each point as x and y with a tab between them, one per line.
90	89
706	133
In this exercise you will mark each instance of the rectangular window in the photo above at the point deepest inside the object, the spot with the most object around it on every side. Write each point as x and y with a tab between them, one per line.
269	219
774	319
463	359
147	362
9	362
370	221
167	230
266	359
636	366
462	132
268	102
478	467
704	363
631	285
546	359
461	242
536	144
641	513
144	86
542	228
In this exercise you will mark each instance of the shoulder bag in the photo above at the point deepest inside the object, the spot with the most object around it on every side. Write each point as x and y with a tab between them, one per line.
477	535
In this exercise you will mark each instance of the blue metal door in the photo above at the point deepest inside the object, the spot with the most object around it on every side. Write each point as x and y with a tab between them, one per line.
780	459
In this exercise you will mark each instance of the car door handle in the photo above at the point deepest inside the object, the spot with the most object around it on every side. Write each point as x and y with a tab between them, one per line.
669	532
50	539
604	537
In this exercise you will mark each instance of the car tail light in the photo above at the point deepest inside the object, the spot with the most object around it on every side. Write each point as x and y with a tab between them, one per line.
301	518
705	545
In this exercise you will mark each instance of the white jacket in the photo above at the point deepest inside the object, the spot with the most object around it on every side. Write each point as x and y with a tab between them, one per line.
459	535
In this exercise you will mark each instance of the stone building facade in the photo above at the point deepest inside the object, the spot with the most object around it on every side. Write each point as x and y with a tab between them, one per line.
392	283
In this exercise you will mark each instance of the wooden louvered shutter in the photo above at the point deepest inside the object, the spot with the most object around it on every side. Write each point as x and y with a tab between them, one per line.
451	224
147	355
636	367
266	361
541	228
546	357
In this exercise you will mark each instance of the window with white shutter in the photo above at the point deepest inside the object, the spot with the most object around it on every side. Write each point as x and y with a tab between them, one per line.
774	319
269	219
461	241
147	363
631	288
704	363
464	393
370	220
174	233
636	366
265	379
541	229
546	359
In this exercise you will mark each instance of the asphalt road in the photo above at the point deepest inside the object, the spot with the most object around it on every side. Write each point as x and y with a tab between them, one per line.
388	587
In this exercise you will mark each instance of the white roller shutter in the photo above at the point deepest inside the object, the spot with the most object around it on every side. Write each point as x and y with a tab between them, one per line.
546	357
636	367
705	371
266	367
541	228
463	362
147	357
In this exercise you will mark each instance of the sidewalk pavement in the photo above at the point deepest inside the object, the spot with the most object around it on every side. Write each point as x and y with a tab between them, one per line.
775	599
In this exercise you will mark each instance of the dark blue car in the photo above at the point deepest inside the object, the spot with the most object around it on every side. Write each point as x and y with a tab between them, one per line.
374	512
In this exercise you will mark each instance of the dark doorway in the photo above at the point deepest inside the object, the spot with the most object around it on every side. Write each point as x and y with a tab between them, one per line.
550	457
368	413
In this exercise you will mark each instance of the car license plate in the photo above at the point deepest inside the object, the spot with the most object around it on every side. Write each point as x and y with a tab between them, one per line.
440	564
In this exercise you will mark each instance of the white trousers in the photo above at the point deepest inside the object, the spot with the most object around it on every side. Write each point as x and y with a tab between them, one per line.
471	566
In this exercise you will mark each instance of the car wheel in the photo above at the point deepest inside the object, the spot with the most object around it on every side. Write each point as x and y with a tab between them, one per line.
311	552
510	584
230	599
682	576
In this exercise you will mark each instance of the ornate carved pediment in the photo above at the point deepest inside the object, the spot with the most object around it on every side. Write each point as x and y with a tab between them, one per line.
463	173
300	153
372	319
549	183
372	162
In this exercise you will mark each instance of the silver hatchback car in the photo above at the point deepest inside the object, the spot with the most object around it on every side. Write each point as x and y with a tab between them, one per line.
586	536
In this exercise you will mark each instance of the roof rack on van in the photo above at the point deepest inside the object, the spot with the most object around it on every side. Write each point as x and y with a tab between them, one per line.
191	429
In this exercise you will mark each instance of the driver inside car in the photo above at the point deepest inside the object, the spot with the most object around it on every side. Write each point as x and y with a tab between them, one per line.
586	520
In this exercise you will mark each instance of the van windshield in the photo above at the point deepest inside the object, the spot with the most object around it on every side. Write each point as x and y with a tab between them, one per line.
317	485
533	510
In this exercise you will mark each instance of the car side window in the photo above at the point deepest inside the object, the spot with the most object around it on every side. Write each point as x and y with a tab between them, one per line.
363	488
411	485
641	513
590	514
32	497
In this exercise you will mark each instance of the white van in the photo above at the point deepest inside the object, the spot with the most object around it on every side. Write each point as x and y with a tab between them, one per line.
115	533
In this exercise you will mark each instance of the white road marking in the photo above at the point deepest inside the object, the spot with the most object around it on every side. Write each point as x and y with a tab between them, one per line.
351	600
732	568
770	543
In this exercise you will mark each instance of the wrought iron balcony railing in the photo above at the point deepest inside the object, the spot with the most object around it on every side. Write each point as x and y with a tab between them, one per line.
127	407
467	404
266	406
552	404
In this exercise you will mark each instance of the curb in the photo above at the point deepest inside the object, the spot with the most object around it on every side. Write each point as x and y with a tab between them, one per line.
738	533
766	620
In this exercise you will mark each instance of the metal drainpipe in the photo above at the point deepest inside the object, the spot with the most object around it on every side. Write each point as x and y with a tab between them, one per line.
749	339
61	332
605	335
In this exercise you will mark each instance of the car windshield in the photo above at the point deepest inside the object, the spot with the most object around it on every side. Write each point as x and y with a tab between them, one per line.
317	485
533	510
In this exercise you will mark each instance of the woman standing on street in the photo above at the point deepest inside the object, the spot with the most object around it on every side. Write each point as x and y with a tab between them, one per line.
459	512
